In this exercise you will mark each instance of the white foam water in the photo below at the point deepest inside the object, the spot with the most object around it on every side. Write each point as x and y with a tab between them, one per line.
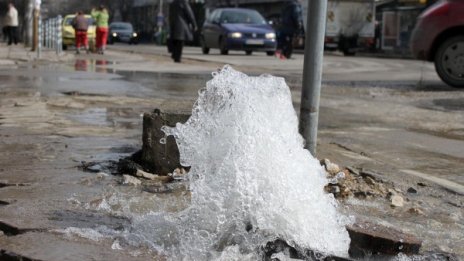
251	179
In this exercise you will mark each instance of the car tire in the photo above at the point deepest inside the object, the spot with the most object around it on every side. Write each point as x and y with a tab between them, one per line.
449	61
270	53
347	52
204	48
249	52
222	47
64	47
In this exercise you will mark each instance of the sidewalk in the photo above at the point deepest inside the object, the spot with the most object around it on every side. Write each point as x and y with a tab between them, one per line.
14	54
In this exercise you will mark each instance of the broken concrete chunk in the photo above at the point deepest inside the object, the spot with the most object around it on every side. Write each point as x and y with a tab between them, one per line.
154	177
101	175
130	180
143	174
352	170
330	167
157	157
376	239
397	201
416	211
179	172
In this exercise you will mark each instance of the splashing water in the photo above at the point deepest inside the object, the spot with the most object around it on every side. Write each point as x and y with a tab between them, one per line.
251	180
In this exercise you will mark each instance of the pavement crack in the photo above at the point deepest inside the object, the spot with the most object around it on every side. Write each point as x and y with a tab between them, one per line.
6	184
11	256
11	230
349	149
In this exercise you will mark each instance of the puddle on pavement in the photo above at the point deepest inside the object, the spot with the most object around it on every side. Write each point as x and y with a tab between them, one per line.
92	116
87	219
92	65
92	78
450	104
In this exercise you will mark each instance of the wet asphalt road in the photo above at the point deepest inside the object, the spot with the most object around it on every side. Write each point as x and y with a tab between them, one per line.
392	117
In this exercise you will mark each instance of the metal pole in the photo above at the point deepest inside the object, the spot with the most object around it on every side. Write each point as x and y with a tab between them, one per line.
53	33
47	34
39	42
312	72
58	35
29	19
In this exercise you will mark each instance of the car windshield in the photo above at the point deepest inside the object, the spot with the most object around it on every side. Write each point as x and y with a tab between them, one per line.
241	17
121	27
69	20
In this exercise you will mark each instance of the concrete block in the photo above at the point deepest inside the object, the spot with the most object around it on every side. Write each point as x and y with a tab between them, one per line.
156	157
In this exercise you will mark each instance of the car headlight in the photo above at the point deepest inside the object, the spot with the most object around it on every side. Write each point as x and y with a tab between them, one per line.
235	35
115	34
134	35
270	36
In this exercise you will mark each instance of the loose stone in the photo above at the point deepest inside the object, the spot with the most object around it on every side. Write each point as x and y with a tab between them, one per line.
130	180
397	201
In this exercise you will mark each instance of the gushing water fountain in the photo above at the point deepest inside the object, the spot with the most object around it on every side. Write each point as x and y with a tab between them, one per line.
251	180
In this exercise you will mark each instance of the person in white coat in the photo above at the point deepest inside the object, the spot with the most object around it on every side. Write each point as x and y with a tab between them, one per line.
11	22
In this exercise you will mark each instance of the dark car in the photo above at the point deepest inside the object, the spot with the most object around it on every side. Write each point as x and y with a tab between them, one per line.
237	29
439	37
122	32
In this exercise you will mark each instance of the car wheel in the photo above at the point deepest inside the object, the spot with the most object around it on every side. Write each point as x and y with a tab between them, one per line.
249	52
347	52
204	48
270	53
449	61
222	47
65	47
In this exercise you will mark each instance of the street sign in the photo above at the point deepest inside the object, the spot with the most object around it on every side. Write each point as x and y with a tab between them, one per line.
160	20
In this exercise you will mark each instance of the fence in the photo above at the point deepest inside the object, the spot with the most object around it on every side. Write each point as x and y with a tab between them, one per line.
50	35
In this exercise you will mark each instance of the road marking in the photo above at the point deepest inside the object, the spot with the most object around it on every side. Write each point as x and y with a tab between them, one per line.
450	185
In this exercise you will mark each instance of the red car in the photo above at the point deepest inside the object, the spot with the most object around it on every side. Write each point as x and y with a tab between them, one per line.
439	37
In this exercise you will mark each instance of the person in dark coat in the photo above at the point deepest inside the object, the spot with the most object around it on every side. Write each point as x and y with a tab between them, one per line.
181	23
292	25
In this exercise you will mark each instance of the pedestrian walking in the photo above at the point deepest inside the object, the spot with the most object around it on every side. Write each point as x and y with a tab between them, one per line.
101	17
5	33
292	25
181	23
80	25
11	22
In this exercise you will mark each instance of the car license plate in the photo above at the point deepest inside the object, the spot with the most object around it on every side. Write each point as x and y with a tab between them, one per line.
254	42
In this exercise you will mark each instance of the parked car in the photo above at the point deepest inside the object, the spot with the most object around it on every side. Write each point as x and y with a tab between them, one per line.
237	29
69	35
439	37
122	32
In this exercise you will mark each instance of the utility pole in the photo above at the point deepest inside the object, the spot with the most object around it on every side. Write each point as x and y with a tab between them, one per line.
35	24
312	72
28	23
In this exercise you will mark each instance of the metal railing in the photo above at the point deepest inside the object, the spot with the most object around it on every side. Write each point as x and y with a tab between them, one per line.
50	34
